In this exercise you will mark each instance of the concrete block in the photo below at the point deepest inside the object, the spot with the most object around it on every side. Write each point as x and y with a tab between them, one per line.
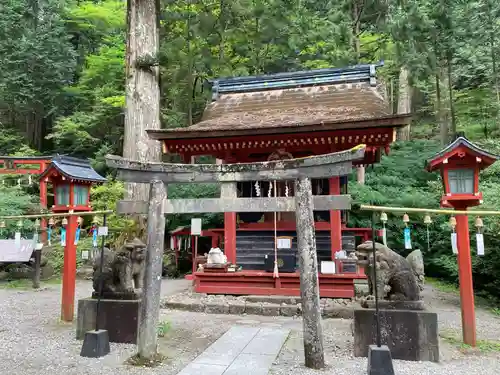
178	305
253	308
270	309
338	312
237	307
288	310
217	308
410	335
118	317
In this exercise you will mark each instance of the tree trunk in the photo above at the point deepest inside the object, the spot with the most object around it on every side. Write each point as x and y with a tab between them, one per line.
441	111
356	17
450	95
404	102
142	88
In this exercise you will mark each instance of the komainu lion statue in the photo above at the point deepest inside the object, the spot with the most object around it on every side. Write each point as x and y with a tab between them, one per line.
396	279
123	269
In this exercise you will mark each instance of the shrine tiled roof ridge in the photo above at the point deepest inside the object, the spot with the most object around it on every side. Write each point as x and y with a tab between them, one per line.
75	168
314	77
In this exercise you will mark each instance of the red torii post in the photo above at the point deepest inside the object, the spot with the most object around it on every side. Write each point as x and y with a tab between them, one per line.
460	163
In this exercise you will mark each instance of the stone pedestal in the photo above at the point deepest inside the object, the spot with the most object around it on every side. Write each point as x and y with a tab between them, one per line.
119	317
410	335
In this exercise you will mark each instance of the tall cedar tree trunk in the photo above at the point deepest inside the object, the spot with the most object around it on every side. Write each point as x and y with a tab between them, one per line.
492	43
442	112
356	17
404	101
142	110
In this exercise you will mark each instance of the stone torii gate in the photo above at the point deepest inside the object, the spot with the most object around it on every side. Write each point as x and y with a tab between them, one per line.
158	175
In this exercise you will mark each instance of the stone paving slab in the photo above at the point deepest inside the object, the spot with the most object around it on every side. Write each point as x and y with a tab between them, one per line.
267	341
240	351
251	364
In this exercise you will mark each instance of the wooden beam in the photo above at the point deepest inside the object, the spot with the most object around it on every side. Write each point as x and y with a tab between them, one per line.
206	205
321	166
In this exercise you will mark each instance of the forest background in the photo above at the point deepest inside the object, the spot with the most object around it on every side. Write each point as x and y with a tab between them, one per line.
62	90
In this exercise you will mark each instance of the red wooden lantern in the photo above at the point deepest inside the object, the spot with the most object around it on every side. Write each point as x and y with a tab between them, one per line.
71	179
460	164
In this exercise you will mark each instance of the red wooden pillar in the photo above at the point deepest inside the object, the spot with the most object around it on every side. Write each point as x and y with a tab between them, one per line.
230	228
43	203
230	236
335	219
69	272
176	249
465	277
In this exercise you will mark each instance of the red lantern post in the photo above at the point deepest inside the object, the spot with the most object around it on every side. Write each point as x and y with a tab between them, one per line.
460	164
71	180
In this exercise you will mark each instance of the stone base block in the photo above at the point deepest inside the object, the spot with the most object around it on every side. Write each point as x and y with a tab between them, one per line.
410	335
380	360
119	317
395	305
95	344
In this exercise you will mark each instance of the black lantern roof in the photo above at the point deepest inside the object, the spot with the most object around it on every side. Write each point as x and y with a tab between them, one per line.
74	168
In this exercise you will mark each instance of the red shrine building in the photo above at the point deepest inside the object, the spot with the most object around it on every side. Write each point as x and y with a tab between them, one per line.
286	115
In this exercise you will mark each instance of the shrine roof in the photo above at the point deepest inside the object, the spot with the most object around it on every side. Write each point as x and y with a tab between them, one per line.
78	169
269	103
460	142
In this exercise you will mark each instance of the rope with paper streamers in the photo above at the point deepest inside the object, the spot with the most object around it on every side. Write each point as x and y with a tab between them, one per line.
427	222
22	180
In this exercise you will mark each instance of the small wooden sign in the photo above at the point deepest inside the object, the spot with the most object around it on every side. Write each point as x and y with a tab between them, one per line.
284	242
102	231
195	226
328	267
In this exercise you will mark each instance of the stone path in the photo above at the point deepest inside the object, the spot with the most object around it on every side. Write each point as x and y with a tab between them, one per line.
240	351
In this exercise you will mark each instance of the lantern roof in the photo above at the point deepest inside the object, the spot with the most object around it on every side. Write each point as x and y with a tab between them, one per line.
461	145
74	168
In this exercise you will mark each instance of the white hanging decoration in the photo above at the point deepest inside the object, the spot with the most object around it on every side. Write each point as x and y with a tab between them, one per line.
257	189
383	219
479	237
270	192
286	189
453	224
29	180
17	235
19	182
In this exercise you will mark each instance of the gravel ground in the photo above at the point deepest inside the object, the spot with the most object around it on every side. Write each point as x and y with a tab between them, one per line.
34	342
453	359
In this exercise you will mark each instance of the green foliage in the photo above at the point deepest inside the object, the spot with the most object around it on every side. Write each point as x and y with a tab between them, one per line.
13	202
105	197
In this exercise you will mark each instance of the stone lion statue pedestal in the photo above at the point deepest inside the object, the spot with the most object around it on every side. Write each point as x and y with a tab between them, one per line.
410	332
122	281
